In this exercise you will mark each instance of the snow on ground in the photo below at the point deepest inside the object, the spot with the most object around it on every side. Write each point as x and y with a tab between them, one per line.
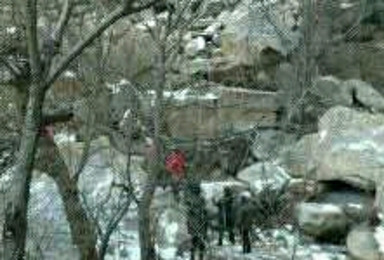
379	235
64	138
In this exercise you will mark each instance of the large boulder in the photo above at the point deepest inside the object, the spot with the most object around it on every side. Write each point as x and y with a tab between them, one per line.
365	94
350	147
347	147
357	204
366	243
262	175
326	222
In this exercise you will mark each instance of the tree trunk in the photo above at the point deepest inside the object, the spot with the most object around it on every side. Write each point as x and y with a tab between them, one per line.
147	243
15	226
82	231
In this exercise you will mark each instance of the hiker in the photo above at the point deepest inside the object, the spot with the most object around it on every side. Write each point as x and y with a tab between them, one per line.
196	219
244	221
226	216
175	164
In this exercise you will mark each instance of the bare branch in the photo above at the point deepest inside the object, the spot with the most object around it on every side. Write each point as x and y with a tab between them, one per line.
31	30
112	225
11	67
63	21
115	16
84	157
52	43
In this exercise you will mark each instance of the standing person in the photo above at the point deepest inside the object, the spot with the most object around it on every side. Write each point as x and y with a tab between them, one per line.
226	216
196	219
244	221
175	164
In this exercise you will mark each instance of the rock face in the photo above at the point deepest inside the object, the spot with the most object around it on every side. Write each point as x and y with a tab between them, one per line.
323	221
366	243
251	45
219	109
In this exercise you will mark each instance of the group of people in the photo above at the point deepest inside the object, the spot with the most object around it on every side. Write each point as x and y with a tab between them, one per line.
232	218
233	211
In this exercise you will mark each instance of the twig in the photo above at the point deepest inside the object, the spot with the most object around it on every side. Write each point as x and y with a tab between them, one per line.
115	16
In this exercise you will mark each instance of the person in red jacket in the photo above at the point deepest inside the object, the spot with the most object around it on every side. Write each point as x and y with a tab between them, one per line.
175	164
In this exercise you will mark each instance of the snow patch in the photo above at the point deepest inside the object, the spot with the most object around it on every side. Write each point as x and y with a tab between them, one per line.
379	235
322	135
185	94
168	253
347	5
11	29
330	208
69	74
61	138
116	87
354	205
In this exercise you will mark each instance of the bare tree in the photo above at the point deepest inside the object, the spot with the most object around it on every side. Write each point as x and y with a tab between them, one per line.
39	73
166	33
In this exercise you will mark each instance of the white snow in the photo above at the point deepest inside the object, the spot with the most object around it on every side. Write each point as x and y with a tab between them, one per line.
322	135
11	30
62	137
322	256
182	95
69	74
6	179
116	87
346	5
379	235
168	253
145	25
330	208
354	205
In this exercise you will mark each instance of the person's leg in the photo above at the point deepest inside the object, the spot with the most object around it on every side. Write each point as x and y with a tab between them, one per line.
201	249
247	241
221	234
176	191
231	234
193	247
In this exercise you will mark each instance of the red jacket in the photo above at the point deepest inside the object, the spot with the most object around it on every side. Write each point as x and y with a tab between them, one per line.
175	164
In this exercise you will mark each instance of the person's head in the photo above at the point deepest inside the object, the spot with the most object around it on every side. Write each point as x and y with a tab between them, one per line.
245	196
228	192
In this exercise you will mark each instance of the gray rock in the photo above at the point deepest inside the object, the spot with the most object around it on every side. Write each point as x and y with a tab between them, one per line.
333	91
369	97
298	159
193	47
326	222
366	243
346	135
268	143
261	175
